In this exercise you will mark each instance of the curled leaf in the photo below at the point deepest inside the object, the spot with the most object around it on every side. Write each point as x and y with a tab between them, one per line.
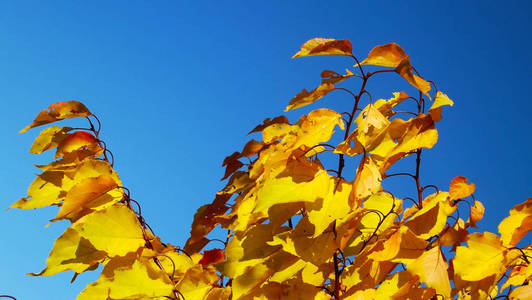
405	70
305	97
76	141
59	111
321	46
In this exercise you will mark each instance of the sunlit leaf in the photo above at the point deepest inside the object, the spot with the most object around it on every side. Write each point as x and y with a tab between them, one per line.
405	70
89	193
514	227
267	122
212	256
332	77
305	97
321	46
440	100
59	111
71	252
476	212
431	219
49	138
432	269
115	230
459	188
389	55
129	278
484	256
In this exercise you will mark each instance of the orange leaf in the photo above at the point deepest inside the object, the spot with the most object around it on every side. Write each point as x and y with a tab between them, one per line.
321	46
476	213
332	77
389	55
89	190
251	148
405	70
459	188
59	111
77	140
305	97
212	256
514	227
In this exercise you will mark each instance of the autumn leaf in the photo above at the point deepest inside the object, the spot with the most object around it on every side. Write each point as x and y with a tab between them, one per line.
405	70
115	230
331	77
59	111
305	97
484	256
432	269
212	256
49	138
90	192
459	188
389	55
514	227
71	252
321	46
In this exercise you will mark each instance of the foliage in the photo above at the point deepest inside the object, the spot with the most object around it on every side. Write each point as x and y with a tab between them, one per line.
295	229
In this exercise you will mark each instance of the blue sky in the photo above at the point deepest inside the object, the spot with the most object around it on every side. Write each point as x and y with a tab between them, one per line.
178	84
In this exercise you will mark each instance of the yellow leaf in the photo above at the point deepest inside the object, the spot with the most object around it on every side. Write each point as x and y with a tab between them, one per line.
459	188
405	70
431	219
514	227
71	252
59	111
321	46
431	268
46	189
298	183
483	257
379	205
129	279
305	97
521	293
440	100
115	230
476	212
49	138
268	122
91	192
385	106
335	205
332	77
313	129
389	55
518	276
396	286
301	243
402	246
197	282
367	180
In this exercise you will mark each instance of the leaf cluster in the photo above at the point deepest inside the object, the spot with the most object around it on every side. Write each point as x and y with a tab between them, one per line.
296	229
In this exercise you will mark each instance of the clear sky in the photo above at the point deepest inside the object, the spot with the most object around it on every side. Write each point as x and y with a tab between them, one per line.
178	84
